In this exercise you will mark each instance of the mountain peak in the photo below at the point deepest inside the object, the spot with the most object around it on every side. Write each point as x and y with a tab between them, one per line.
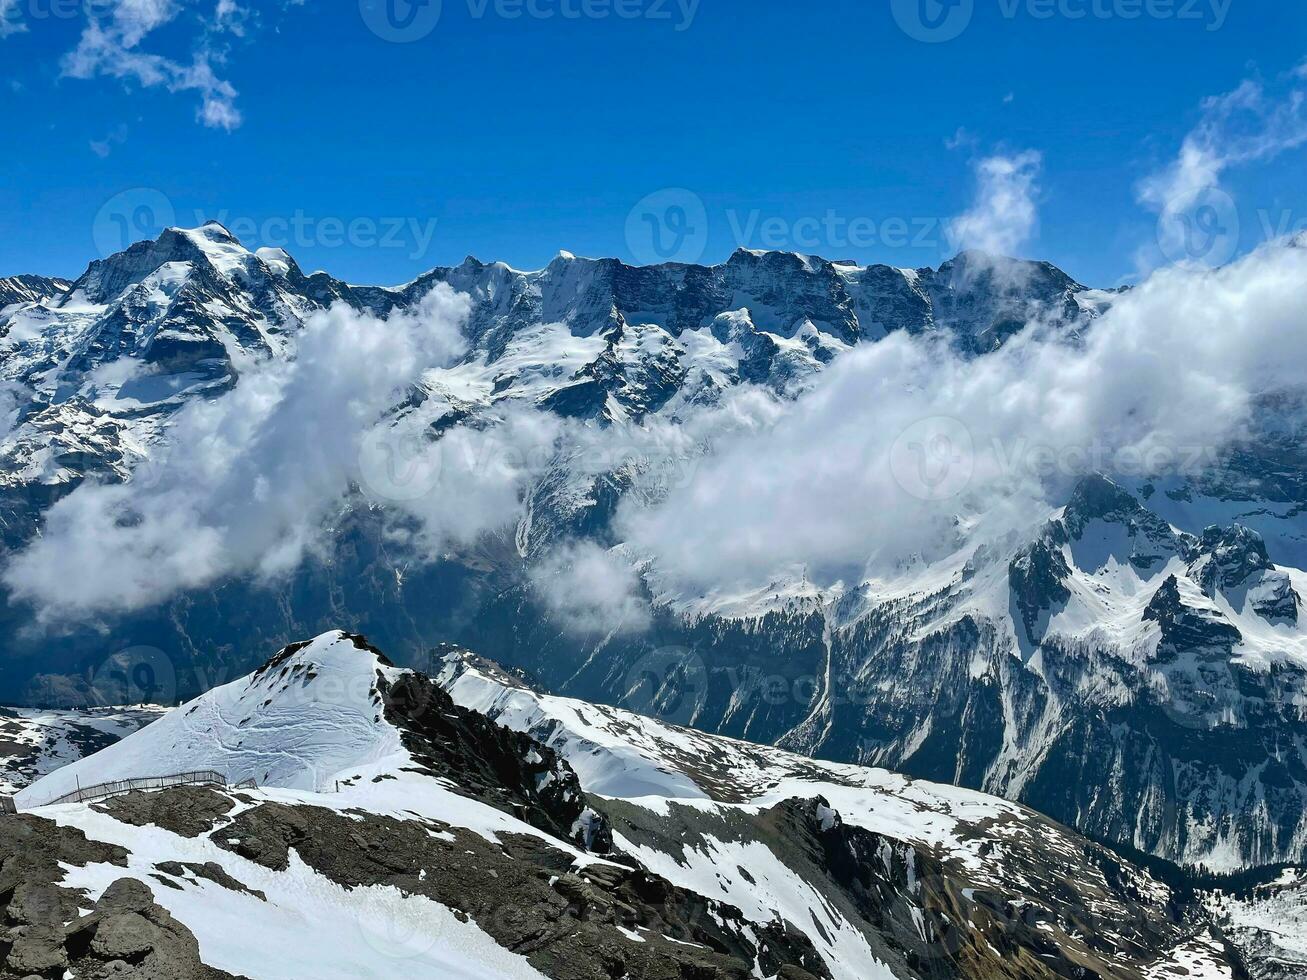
213	232
1095	496
325	690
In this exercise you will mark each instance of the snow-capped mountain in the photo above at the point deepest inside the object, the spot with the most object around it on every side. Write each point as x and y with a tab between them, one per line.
396	828
36	741
1131	663
1138	682
30	289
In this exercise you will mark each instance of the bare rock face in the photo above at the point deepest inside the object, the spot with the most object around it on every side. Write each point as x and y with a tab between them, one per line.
130	936
126	935
510	770
30	289
187	811
1184	627
1234	562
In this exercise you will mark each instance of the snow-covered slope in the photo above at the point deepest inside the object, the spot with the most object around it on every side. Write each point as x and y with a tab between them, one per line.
399	831
694	781
294	724
1269	924
1136	679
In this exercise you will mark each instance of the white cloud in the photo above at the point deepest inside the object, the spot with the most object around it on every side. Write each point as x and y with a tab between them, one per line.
112	45
900	448
1161	382
1247	125
251	477
1004	215
591	591
116	137
470	482
10	22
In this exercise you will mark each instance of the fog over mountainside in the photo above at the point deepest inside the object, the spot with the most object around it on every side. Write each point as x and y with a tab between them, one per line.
980	523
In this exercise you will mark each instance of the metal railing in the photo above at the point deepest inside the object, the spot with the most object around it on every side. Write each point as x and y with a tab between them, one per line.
102	791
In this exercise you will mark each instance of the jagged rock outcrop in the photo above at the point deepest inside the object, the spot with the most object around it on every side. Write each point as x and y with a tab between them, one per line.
1234	562
30	289
1184	627
125	935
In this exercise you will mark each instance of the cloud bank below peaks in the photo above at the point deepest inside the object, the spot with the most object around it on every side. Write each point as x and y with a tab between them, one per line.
248	478
905	449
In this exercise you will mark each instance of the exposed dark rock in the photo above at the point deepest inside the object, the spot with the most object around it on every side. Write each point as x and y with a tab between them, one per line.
1184	627
1036	577
129	936
1098	498
30	289
1068	911
126	935
504	768
208	870
185	810
1233	560
528	895
1235	553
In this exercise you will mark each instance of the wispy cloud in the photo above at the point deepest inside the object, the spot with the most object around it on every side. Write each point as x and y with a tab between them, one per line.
10	22
591	591
116	137
1250	124
114	43
1005	214
111	45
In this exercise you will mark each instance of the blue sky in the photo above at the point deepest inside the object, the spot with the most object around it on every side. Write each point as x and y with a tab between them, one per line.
821	127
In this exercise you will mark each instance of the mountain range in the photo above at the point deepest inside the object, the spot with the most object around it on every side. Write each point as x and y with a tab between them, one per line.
376	819
1131	663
